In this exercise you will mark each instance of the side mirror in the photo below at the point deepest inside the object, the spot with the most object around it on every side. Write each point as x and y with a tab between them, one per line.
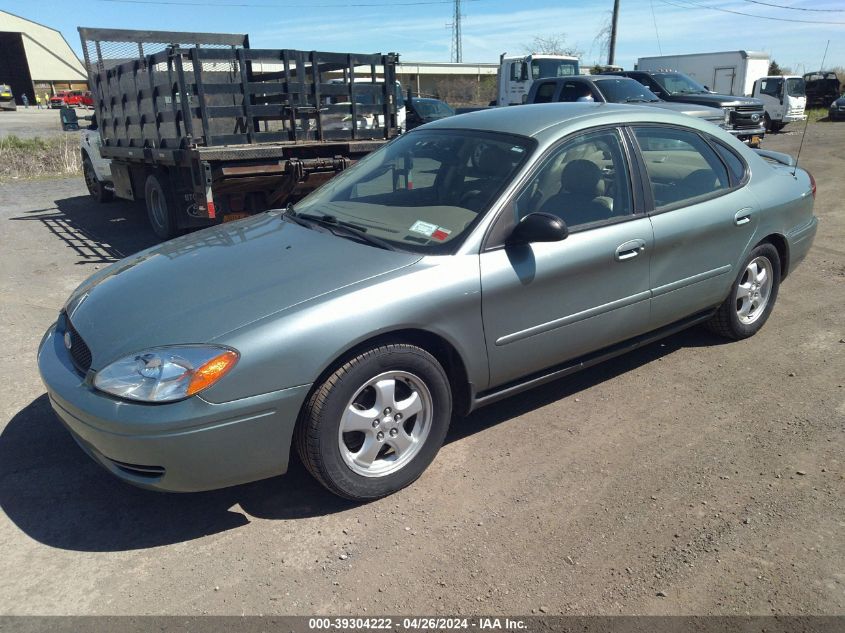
538	227
707	88
69	119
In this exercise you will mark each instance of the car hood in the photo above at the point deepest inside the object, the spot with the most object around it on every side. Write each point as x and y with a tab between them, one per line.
196	288
715	100
699	111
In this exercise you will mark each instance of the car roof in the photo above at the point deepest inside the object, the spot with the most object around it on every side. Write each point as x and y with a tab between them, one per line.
547	120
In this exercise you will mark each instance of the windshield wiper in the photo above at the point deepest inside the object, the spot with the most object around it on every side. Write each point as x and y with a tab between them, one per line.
338	227
636	100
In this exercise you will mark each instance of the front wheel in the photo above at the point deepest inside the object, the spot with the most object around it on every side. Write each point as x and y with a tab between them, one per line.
95	186
752	296
376	423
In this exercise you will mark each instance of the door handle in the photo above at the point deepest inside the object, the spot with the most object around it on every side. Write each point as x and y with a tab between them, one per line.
743	216
629	250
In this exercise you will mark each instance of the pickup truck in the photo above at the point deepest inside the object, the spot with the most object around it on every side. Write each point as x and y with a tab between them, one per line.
606	89
72	99
746	115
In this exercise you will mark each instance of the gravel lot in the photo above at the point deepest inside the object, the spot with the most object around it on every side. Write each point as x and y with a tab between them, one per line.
31	122
690	477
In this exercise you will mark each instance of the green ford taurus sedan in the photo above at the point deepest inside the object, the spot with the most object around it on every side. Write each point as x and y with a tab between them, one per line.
465	261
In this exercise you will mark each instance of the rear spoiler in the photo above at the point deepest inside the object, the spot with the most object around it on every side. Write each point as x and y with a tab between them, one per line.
778	157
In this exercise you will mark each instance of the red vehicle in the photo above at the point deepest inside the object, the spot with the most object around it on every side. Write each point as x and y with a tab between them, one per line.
72	99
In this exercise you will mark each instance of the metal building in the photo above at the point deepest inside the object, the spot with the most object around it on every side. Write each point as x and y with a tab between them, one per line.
35	58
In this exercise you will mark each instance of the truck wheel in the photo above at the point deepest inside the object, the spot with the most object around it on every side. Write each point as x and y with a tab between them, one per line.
95	186
160	207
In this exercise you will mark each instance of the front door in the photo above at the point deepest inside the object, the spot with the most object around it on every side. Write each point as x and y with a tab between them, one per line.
545	303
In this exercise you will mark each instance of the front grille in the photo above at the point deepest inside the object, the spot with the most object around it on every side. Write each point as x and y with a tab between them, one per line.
80	354
743	116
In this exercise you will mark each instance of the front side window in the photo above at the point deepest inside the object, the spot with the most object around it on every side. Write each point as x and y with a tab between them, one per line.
770	87
681	166
424	191
583	182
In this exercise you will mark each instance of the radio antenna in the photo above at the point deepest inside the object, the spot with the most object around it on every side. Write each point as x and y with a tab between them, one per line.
807	121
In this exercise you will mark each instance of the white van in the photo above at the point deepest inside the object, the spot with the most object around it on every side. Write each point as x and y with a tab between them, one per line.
784	99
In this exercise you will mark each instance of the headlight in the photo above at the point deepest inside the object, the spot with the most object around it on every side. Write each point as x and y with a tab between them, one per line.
164	374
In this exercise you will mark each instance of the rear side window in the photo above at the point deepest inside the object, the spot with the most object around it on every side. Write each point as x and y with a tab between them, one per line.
735	164
545	92
681	166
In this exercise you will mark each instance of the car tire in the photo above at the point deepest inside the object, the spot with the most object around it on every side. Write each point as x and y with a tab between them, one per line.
353	436
752	297
160	206
95	186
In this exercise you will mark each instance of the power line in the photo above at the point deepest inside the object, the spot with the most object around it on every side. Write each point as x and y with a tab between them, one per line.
782	6
656	32
190	3
696	5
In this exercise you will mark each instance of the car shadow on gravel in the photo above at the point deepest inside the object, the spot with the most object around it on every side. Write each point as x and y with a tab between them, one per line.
58	496
97	233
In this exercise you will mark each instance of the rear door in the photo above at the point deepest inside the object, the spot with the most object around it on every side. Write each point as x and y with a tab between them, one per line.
702	215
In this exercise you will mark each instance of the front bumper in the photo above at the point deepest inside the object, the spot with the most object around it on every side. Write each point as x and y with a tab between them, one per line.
184	446
747	135
791	118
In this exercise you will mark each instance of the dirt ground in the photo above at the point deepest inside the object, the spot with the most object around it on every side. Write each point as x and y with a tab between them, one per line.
690	477
31	122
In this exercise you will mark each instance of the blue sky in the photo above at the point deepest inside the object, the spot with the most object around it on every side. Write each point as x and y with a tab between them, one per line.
419	31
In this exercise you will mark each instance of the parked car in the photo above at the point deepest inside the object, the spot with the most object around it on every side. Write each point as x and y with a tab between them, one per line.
463	262
7	98
59	100
747	115
422	110
837	109
607	89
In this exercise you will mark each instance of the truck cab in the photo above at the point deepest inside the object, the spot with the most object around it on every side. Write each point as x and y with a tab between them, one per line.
783	98
518	73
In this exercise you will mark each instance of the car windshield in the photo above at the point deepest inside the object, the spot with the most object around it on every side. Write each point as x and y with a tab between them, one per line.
541	68
678	83
795	87
425	190
432	109
624	90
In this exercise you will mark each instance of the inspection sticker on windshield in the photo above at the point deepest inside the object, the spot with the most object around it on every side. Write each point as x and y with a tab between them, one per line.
423	228
441	234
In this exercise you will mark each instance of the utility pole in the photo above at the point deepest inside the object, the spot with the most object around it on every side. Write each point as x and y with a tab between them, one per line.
456	31
611	55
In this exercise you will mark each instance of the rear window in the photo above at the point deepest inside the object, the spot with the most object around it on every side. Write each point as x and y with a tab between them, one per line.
545	92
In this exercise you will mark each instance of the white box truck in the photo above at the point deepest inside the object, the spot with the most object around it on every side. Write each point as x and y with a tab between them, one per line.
727	72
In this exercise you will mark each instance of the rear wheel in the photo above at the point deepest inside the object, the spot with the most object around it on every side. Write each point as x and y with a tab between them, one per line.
160	207
752	296
95	186
376	423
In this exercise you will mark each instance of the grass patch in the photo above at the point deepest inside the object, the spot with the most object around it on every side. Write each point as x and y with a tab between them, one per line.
814	115
29	158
